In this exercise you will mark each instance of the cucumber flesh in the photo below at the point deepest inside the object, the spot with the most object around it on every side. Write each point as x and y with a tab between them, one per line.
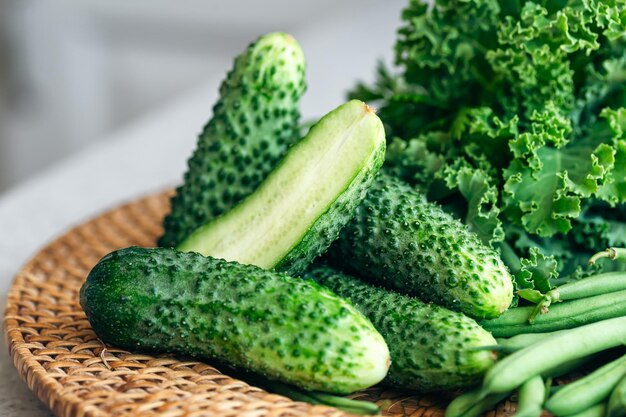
299	209
284	328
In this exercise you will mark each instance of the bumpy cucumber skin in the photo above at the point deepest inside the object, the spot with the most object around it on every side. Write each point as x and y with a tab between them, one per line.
284	328
399	240
430	346
254	122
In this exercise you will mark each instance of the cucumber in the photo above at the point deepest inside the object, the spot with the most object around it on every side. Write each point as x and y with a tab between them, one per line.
283	328
299	209
432	348
253	123
399	240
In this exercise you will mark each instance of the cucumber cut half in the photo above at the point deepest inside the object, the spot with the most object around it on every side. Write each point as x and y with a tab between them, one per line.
299	209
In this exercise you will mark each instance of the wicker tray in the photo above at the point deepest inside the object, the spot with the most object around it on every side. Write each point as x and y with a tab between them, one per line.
72	372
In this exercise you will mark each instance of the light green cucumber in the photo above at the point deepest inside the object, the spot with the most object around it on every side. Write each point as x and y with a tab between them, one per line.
399	240
253	123
432	348
296	213
284	328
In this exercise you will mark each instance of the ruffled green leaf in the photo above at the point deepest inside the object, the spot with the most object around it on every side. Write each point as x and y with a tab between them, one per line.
546	195
537	271
595	233
413	161
482	201
485	136
551	176
613	188
511	114
442	47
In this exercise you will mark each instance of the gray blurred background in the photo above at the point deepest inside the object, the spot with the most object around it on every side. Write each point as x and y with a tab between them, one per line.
73	72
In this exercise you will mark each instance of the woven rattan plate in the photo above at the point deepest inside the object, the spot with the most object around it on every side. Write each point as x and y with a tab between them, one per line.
72	372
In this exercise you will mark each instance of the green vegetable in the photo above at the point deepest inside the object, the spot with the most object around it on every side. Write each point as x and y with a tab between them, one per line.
609	253
520	341
531	396
564	315
270	323
462	403
511	115
316	397
598	410
576	364
297	212
587	287
400	241
617	401
253	123
513	370
591	286
585	392
431	347
473	404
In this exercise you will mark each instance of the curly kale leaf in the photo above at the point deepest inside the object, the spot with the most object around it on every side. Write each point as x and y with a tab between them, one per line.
537	271
511	114
481	196
413	161
551	175
441	47
613	189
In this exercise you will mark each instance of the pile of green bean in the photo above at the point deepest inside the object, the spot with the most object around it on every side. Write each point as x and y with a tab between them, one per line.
586	318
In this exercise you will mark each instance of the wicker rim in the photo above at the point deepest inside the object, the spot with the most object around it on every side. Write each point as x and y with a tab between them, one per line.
63	362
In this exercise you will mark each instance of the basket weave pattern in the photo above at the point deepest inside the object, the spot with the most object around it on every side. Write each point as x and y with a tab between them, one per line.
61	359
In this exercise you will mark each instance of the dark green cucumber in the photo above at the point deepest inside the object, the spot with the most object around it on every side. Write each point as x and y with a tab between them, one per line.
399	240
284	328
253	123
299	209
432	348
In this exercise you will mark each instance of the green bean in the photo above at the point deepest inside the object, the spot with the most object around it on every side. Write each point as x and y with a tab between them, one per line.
520	341
610	253
598	410
512	371
462	403
473	403
589	390
564	315
583	288
561	369
617	401
592	286
531	396
470	401
313	397
486	403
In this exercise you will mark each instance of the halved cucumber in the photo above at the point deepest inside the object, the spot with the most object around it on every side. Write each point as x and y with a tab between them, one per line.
301	206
